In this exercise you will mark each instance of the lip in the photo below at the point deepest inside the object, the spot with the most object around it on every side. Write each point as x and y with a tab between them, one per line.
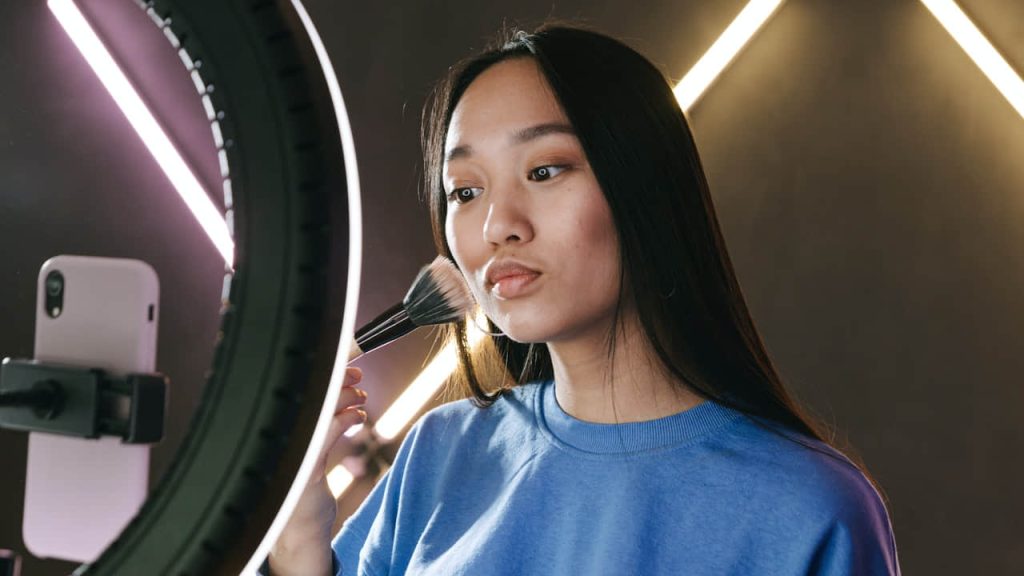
509	278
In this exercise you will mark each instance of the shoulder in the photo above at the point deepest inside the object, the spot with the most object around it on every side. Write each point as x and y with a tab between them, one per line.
818	494
802	471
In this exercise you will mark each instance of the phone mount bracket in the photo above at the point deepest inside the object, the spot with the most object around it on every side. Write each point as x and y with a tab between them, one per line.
83	402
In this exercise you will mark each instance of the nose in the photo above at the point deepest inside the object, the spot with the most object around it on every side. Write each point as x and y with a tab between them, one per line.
508	219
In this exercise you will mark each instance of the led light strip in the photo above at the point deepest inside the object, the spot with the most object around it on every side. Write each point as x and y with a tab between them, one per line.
985	56
338	480
146	126
402	411
723	51
416	396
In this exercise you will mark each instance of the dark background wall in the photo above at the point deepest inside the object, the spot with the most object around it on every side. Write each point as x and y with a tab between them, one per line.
867	177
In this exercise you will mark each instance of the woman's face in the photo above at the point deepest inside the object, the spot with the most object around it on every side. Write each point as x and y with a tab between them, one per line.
527	222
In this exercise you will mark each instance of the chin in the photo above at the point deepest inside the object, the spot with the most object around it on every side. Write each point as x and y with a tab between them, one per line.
524	331
525	339
522	336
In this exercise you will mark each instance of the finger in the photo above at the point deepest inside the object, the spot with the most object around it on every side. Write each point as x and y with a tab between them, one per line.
353	376
341	422
350	397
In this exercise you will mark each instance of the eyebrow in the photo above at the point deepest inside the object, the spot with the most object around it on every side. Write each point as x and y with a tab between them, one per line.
519	137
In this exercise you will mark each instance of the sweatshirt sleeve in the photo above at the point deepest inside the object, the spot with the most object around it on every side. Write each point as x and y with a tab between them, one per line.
859	542
264	569
351	542
368	543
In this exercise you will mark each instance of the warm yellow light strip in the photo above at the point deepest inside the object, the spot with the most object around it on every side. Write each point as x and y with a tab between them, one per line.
423	388
710	66
338	480
403	410
416	396
398	416
991	63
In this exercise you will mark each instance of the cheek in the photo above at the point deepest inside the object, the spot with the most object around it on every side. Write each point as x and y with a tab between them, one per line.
462	248
449	237
455	235
600	243
597	237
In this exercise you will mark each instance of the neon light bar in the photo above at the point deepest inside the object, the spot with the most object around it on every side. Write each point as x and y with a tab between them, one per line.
991	63
723	51
423	388
398	416
338	480
142	120
412	400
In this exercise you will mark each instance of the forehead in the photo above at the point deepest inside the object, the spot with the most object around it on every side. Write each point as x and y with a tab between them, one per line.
507	96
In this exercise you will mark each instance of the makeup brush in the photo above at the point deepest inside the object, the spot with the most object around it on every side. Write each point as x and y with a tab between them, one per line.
438	295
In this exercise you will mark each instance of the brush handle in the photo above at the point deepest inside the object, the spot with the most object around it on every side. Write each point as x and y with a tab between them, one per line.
384	329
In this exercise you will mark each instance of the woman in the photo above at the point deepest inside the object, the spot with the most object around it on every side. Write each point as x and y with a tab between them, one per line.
640	427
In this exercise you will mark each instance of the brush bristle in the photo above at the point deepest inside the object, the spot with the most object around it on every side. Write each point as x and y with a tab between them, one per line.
438	295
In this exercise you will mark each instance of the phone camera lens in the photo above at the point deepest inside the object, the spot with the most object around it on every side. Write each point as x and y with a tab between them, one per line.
54	284
53	294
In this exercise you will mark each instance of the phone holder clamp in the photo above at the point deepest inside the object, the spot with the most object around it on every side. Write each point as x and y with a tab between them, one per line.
83	402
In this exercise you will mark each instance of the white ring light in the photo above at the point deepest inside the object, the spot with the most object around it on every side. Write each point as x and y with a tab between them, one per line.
351	298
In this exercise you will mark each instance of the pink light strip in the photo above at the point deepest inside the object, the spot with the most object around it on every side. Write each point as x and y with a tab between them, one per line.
148	129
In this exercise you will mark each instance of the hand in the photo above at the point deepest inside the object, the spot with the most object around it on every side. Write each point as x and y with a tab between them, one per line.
304	545
347	414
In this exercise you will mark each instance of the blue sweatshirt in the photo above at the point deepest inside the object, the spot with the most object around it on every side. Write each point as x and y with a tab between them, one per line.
523	488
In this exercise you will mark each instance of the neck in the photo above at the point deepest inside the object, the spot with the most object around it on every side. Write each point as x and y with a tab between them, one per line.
628	385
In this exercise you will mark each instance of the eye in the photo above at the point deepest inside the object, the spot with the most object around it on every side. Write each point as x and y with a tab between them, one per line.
542	173
463	195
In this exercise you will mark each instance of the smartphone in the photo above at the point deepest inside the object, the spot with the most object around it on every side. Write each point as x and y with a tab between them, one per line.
80	493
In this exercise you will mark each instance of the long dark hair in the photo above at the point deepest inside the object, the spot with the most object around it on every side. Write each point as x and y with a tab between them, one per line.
674	260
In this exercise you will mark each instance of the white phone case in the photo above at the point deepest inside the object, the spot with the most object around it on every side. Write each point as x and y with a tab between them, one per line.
80	493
